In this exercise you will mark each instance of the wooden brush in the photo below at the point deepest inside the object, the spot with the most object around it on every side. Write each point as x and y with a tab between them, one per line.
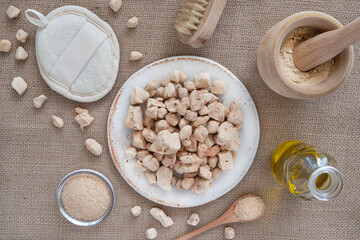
197	20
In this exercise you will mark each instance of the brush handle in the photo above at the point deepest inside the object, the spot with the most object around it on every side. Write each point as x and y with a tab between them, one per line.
321	48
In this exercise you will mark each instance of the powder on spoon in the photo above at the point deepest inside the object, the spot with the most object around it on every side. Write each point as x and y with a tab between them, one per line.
249	208
85	197
287	65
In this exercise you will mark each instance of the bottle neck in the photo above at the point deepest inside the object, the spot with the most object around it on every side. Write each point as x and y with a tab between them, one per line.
330	187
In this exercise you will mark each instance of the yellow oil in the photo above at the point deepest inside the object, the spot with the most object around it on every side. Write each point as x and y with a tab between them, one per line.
293	162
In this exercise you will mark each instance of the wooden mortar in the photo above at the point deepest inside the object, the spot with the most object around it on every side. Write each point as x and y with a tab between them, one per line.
268	58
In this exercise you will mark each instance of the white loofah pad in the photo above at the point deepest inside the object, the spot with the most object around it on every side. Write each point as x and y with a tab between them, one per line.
77	52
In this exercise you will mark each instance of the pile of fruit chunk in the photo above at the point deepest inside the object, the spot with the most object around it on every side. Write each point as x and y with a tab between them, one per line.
183	135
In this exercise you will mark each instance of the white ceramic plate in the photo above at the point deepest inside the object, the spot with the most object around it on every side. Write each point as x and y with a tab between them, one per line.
119	136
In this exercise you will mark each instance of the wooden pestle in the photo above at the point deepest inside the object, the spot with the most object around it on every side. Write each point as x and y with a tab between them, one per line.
323	47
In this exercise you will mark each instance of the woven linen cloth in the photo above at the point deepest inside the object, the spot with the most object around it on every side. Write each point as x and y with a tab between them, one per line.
35	155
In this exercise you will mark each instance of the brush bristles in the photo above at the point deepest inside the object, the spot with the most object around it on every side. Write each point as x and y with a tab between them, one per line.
190	16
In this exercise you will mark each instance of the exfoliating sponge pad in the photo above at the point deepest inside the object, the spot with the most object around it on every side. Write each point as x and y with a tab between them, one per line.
77	52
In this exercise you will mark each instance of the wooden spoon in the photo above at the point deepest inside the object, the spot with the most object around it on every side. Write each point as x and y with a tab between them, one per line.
228	217
321	48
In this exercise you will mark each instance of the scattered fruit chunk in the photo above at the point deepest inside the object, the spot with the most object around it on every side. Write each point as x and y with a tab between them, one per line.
229	233
21	54
151	233
159	215
83	117
93	146
132	22
136	211
5	45
135	56
193	220
21	35
19	85
13	12
58	122
39	101
115	5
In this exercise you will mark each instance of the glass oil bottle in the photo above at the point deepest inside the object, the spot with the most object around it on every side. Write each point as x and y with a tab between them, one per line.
306	171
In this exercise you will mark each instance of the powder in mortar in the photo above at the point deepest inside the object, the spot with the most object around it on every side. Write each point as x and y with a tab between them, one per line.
313	76
249	208
85	197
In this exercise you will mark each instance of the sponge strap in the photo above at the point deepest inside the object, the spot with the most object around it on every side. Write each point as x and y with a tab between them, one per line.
41	21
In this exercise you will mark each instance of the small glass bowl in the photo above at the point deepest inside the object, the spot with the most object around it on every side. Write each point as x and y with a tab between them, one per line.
87	172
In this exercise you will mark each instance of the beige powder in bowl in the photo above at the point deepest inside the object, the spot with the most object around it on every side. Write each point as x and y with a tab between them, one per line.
249	208
313	76
85	197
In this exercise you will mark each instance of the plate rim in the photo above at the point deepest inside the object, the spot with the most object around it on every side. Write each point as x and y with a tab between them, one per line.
113	109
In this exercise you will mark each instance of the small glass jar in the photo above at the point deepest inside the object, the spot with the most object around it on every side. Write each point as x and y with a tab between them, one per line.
78	173
306	171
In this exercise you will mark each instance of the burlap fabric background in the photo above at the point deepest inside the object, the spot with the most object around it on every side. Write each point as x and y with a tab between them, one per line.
35	155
